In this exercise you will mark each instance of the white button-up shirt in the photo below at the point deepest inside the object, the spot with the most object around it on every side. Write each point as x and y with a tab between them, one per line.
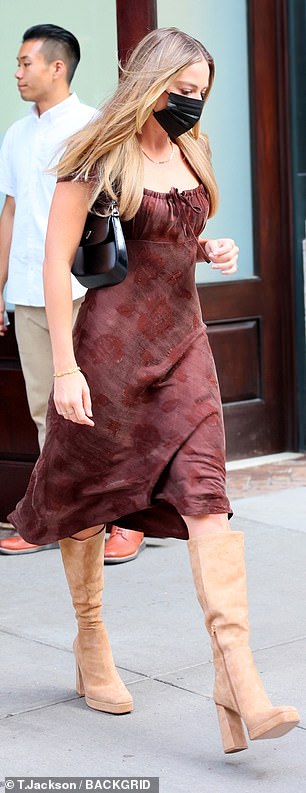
29	147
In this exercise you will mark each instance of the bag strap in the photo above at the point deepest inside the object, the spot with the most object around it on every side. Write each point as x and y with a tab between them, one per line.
96	228
118	236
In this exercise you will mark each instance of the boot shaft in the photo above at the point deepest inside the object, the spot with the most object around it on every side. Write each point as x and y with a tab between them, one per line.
83	562
218	568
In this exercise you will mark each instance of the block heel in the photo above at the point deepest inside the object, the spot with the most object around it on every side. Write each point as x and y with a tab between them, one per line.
231	729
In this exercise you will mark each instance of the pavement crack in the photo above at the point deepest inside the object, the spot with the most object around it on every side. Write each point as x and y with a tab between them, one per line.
33	640
294	640
182	688
46	706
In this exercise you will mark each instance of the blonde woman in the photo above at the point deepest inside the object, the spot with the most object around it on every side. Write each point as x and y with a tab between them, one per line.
135	433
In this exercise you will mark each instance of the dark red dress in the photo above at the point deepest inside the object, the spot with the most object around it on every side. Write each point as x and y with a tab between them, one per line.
157	449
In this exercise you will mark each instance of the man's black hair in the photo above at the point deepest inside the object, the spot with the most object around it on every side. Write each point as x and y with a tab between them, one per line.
57	43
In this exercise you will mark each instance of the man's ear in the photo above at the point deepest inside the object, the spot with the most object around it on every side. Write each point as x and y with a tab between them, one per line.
59	69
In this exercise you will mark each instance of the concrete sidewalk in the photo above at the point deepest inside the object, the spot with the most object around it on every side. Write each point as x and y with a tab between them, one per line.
163	654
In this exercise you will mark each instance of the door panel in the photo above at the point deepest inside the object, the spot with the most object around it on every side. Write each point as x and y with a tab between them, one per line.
18	436
239	339
17	431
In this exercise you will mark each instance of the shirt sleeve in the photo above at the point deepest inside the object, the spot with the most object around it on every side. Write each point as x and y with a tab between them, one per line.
7	177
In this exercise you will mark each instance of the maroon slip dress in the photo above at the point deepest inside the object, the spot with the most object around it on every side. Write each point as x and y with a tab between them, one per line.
157	449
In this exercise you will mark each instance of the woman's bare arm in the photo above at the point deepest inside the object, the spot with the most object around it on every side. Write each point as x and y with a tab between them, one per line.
66	222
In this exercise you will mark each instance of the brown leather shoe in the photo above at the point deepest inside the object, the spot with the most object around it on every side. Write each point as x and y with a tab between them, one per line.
16	545
123	545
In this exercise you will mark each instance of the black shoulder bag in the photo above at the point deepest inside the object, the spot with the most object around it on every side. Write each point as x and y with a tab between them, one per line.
101	259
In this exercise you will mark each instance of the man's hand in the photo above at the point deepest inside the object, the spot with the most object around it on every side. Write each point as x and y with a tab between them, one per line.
3	327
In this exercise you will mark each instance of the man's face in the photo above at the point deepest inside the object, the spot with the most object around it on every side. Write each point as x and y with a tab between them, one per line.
34	75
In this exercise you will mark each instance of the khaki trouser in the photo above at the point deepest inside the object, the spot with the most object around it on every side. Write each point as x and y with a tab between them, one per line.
34	345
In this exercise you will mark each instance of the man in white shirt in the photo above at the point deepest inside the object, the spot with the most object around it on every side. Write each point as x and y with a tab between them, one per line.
47	60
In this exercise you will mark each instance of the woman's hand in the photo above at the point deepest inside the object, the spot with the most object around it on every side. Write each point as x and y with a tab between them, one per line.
223	254
72	398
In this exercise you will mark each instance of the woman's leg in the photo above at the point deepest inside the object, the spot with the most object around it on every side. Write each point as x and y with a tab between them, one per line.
201	524
86	533
96	674
218	568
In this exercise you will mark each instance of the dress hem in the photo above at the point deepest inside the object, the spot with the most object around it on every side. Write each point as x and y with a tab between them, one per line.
160	519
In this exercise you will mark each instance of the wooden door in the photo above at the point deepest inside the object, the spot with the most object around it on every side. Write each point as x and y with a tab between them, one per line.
251	321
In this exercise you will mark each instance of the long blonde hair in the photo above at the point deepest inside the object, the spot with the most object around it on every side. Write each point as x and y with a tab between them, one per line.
107	152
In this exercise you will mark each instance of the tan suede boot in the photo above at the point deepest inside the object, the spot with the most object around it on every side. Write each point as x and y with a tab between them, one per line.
96	675
218	568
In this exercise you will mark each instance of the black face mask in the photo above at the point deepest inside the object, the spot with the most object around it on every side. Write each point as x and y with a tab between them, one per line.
180	115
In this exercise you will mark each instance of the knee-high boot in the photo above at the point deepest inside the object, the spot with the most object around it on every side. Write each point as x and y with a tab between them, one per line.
218	568
96	675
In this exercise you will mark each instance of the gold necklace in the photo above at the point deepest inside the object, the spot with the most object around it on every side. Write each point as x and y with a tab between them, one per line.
160	162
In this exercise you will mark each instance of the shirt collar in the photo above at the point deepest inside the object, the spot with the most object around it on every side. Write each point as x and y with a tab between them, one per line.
57	110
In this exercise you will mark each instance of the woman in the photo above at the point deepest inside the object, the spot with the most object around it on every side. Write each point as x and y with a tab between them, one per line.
136	435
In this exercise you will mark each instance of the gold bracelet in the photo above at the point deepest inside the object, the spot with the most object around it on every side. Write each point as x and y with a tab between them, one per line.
69	371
